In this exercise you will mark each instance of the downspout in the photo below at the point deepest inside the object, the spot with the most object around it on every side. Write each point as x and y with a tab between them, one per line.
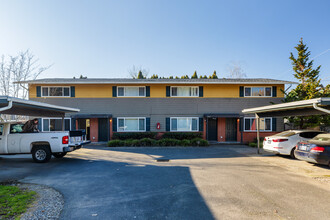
320	109
10	105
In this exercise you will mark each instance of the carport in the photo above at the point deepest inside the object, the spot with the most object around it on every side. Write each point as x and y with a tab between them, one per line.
17	106
317	106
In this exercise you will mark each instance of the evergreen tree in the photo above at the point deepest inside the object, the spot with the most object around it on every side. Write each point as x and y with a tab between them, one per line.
185	77
140	75
214	75
194	76
309	86
171	77
154	76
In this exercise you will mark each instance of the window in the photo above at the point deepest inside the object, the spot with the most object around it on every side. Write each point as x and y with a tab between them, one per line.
184	124
131	124
250	124
16	128
55	124
55	91
258	91
184	91
131	91
1	129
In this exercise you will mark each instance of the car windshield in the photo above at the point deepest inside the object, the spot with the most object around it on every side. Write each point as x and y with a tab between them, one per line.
285	134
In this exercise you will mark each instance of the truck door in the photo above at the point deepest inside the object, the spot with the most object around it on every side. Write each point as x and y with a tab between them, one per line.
14	138
2	139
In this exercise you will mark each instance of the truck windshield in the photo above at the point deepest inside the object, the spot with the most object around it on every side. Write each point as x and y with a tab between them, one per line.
16	128
1	129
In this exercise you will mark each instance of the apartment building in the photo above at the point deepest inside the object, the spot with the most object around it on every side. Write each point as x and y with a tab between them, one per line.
211	106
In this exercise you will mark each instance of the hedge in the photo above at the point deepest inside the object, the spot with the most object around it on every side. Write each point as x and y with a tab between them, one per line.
134	135
182	135
161	142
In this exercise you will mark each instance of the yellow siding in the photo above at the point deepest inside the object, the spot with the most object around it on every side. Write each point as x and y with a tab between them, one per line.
156	91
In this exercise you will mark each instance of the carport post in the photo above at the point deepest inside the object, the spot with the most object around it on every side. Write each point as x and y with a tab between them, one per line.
63	123
258	139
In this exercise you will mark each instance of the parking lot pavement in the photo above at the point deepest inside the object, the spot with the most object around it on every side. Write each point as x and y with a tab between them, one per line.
226	182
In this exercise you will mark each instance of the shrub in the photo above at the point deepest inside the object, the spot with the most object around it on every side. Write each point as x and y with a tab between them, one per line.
168	142
182	135
185	142
115	143
148	142
199	142
252	144
134	135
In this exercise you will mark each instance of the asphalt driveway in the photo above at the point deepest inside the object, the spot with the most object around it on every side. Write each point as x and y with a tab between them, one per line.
197	183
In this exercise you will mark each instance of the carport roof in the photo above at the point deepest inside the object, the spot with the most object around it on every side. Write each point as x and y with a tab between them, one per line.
317	106
16	106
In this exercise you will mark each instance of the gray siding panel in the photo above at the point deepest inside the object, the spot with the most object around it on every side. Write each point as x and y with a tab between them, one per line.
160	108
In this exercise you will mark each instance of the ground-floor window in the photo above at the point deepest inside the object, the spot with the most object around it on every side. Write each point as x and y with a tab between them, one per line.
55	124
131	124
184	124
250	124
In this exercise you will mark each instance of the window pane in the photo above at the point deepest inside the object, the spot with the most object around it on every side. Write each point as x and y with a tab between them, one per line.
194	124
1	129
258	91
247	91
45	91
268	124
247	124
262	124
67	124
16	128
183	91
174	124
174	91
184	124
131	91
194	91
141	91
131	124
66	91
141	124
45	124
55	91
121	125
268	91
120	91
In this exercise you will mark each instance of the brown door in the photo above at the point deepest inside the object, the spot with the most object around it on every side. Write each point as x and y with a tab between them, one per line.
231	129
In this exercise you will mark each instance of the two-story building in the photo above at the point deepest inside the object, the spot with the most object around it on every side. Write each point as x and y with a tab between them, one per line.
211	106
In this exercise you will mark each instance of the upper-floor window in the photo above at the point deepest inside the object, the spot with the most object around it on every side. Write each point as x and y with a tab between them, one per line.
57	91
250	124
131	124
184	124
256	91
131	91
55	124
184	91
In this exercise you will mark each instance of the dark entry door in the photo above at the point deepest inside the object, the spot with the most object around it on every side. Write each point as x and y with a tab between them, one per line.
212	130
103	129
231	129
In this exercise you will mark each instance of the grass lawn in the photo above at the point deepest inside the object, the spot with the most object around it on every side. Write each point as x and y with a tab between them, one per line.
14	201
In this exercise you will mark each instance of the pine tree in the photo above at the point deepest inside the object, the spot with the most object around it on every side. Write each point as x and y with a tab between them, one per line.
309	86
214	75
185	77
154	76
140	75
194	76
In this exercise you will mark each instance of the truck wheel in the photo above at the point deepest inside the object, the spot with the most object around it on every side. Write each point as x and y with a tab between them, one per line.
59	155
41	154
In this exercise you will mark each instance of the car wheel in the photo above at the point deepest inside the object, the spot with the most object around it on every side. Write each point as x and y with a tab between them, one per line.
41	154
59	155
292	154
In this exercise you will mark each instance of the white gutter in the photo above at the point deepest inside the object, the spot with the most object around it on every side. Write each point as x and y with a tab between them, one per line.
320	109
10	105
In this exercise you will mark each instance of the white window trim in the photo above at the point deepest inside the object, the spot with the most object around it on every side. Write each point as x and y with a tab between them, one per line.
145	91
271	124
185	87
271	91
42	123
184	130
145	124
42	95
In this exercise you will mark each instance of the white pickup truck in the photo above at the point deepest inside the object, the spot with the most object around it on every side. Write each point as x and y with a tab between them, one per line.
41	145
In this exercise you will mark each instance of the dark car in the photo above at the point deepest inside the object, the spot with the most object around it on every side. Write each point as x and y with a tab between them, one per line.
316	150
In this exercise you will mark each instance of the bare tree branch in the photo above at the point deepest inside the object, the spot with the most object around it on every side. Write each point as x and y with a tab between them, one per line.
235	70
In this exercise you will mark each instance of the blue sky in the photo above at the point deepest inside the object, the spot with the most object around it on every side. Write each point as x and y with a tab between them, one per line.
172	37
